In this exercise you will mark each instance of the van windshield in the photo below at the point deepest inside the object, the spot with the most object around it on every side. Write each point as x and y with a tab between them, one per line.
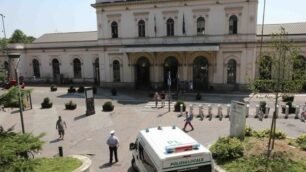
205	168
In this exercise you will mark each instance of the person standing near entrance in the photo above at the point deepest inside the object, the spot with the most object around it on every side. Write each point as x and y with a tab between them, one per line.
60	124
156	98
188	119
113	144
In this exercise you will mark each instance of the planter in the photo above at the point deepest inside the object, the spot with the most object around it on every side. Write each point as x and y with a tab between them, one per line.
86	163
46	105
53	89
108	106
70	106
81	89
71	90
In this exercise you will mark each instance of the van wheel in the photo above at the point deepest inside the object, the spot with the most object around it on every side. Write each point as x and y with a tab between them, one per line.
134	165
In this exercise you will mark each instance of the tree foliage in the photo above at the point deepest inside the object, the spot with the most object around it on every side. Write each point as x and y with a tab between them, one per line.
19	37
10	98
281	69
14	148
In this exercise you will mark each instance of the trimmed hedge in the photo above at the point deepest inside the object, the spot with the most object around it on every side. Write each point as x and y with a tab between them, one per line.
46	104
108	106
53	88
178	104
71	90
81	89
227	149
70	105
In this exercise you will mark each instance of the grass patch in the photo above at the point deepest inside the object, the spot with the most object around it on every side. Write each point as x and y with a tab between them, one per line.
66	164
285	157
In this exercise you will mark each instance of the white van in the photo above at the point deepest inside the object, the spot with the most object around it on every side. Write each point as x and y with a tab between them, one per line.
169	149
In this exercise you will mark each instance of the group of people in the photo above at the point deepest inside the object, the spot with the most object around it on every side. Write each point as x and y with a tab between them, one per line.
159	97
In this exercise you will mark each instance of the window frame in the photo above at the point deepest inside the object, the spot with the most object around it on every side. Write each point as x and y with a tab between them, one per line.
141	28
170	27
116	71
233	25
201	29
114	29
77	68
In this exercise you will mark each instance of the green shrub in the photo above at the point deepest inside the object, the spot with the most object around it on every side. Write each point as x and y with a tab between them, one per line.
108	106
301	141
280	135
81	89
226	149
266	133
71	90
46	103
288	98
178	104
70	105
114	91
53	88
262	106
248	132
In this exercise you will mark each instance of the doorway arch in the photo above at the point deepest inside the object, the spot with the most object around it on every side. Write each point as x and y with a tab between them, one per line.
171	65
142	73
200	73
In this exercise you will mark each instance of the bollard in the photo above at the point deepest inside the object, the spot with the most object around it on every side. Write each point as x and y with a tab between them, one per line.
181	109
267	111
60	151
297	111
286	111
201	114
257	111
220	115
247	110
191	108
228	107
209	112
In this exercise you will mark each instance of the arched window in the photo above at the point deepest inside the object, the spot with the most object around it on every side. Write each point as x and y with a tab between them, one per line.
141	28
170	27
265	68
201	26
233	25
116	71
36	70
114	29
55	68
77	69
231	71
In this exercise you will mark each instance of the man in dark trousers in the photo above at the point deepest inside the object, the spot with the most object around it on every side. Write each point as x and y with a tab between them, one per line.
189	118
113	144
60	124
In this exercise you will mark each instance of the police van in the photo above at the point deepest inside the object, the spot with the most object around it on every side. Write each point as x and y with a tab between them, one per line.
169	149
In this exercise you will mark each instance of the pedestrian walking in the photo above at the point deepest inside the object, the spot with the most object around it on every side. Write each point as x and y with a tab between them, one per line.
61	126
113	144
188	119
156	98
303	113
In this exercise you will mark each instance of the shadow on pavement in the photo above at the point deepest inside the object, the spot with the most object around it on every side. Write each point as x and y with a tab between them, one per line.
131	102
106	165
130	170
55	140
80	117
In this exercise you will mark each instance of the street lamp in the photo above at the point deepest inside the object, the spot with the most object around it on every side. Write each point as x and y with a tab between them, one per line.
13	56
2	16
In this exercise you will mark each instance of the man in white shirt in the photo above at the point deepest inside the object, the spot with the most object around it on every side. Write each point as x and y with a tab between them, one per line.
113	144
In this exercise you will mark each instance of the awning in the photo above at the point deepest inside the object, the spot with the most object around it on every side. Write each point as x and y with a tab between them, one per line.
169	49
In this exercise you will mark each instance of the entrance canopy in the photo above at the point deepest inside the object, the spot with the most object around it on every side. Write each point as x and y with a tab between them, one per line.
178	48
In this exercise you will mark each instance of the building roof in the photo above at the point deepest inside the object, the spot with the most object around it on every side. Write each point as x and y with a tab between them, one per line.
291	28
68	37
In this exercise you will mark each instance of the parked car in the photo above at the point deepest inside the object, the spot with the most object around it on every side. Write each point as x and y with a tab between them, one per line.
13	83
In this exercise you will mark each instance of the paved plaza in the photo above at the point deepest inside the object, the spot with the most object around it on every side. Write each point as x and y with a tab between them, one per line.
86	135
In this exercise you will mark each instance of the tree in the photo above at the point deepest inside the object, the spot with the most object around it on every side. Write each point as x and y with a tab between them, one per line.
19	37
282	71
15	149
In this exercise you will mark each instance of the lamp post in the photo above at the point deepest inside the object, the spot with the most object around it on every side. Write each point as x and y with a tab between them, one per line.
12	57
2	16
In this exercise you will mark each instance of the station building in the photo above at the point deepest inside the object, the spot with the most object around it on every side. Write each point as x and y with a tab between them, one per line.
213	44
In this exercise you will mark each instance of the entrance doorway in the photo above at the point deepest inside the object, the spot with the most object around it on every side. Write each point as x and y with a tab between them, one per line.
142	76
171	65
200	74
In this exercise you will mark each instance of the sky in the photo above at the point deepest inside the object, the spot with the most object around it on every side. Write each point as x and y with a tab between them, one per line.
37	17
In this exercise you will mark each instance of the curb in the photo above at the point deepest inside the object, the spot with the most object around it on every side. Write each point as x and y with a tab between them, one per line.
86	163
218	168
